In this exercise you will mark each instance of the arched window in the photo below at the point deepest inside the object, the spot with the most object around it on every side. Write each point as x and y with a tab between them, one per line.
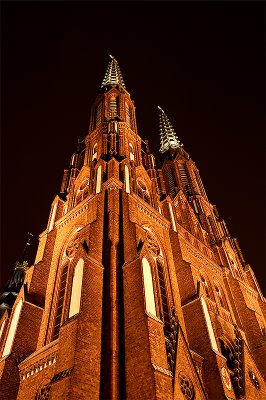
127	182
60	301
164	303
131	152
12	329
227	350
171	181
113	107
206	285
94	151
184	178
234	270
128	115
142	191
83	191
162	296
99	179
148	287
221	297
76	288
200	184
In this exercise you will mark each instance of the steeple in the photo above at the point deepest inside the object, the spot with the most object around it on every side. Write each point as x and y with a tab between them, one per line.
113	74
15	283
169	139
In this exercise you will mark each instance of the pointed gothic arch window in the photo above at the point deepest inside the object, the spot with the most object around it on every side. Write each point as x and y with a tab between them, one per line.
83	191
148	287
113	106
206	286
200	184
227	350
12	329
128	114
162	290
76	288
143	192
99	179
127	180
221	297
94	151
165	312
60	301
171	180
131	152
184	178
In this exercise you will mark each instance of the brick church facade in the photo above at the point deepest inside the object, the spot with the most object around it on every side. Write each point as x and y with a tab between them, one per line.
138	291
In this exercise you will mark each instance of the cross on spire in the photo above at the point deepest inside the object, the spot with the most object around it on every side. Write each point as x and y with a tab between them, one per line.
169	139
113	74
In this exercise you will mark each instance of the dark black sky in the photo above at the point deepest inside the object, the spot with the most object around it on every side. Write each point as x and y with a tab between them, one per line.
202	62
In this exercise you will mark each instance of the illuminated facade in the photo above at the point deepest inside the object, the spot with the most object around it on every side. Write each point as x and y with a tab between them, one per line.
137	291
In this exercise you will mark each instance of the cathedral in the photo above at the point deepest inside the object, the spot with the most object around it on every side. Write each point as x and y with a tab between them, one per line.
138	291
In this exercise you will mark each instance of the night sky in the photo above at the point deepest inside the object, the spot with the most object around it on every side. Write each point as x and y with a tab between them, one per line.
202	62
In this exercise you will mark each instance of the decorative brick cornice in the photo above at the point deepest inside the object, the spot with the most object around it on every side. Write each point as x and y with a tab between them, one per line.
162	370
71	215
38	365
151	212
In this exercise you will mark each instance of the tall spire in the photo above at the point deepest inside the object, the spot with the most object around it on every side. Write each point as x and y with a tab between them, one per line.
13	286
169	139
113	74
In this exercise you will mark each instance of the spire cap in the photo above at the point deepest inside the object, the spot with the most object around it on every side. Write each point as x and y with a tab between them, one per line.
168	137
113	74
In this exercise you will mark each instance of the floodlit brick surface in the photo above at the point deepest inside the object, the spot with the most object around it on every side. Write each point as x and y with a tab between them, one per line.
114	209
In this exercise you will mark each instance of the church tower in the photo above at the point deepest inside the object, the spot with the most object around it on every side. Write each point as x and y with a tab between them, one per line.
138	290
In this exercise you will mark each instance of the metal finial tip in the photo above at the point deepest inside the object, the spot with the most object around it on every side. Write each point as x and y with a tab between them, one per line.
160	109
111	56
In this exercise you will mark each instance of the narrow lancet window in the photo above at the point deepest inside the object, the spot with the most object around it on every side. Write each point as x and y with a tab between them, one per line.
113	107
200	184
131	152
128	115
148	287
165	310
61	298
12	329
94	151
127	182
99	179
76	289
98	115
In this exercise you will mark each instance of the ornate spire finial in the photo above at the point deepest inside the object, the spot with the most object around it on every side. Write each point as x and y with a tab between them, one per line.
113	74
169	139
